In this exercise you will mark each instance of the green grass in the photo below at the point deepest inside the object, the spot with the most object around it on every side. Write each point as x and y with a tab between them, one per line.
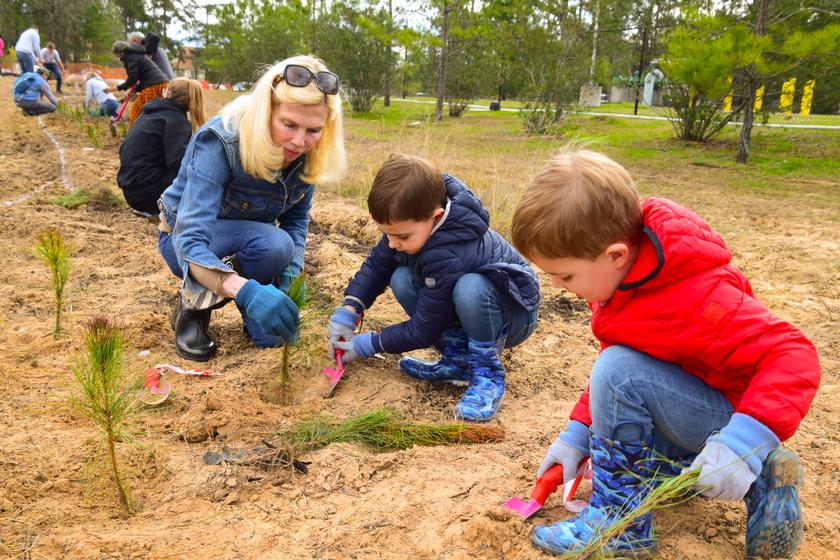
492	154
99	198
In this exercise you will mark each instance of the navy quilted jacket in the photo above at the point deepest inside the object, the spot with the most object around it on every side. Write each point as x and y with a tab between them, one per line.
462	243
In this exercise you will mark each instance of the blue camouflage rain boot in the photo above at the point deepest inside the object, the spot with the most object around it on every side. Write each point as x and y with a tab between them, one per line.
620	481
774	518
484	394
452	367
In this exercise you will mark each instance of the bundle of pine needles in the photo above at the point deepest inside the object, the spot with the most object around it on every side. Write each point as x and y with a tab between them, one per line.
383	430
664	492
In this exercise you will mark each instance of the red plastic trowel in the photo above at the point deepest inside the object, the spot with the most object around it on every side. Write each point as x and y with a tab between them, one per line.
546	485
334	374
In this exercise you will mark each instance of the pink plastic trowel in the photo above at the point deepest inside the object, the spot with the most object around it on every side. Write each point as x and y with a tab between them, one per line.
334	374
546	485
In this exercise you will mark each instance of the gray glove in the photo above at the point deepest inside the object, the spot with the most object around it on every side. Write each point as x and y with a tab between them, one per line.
341	326
723	474
561	453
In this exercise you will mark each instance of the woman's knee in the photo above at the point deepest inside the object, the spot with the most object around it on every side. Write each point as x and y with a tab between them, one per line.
275	249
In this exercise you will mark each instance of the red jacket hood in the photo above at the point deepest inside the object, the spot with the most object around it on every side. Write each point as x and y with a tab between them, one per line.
676	243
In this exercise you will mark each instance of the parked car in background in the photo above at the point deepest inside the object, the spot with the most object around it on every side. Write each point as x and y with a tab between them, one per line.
241	86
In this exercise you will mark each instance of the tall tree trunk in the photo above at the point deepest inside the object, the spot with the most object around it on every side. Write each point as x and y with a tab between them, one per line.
444	53
387	100
752	84
594	41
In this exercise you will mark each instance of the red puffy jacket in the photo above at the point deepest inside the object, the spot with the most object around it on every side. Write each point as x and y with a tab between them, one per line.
682	302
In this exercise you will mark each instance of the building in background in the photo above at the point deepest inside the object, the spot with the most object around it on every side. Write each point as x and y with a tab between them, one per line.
183	65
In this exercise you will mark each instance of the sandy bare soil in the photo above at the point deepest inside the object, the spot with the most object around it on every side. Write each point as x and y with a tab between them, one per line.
422	503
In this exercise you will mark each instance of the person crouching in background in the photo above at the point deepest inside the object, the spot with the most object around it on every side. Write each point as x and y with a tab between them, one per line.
151	154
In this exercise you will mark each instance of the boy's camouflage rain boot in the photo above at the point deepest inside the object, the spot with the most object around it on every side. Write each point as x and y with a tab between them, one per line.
452	367
484	394
620	481
774	518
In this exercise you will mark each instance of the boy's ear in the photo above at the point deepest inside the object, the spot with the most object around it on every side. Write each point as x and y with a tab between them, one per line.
619	253
437	214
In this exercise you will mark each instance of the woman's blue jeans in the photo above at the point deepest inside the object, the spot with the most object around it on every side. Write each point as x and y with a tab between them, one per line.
482	311
263	251
633	396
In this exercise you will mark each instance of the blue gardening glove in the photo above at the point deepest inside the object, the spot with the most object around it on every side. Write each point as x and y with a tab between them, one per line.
341	327
567	450
723	474
732	460
273	310
359	346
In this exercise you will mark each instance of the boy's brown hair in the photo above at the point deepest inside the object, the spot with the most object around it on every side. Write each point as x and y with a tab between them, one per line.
406	188
578	204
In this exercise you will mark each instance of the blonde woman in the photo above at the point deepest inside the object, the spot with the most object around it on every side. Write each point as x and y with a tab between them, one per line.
235	220
151	154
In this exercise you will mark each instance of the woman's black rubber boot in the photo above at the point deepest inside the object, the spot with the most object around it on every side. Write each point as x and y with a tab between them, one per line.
192	333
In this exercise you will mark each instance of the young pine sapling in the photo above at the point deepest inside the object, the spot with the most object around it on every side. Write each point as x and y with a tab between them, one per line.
280	386
53	251
105	394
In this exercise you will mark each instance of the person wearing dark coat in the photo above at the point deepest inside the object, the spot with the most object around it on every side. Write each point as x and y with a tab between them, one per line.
466	290
142	72
151	154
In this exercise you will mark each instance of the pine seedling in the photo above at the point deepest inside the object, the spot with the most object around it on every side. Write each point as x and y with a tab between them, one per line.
383	430
280	387
105	394
52	250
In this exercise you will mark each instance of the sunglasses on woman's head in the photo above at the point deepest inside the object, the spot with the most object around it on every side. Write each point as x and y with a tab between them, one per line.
301	76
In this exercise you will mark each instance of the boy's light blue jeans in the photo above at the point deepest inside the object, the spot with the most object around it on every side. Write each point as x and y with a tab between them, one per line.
263	250
633	396
481	310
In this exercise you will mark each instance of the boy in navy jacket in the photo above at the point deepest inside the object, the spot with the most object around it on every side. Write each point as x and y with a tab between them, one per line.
466	290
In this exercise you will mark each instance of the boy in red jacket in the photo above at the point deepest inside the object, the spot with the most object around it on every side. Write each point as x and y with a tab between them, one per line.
691	361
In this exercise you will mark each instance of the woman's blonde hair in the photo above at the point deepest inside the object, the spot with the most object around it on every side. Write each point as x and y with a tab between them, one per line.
250	115
187	93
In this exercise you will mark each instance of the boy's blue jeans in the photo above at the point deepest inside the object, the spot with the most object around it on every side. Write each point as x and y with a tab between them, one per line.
481	310
263	250
633	396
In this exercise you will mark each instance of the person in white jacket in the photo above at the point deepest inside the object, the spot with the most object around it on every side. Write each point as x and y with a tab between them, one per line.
97	90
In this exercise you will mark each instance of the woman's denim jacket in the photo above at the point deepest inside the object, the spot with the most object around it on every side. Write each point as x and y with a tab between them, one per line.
211	185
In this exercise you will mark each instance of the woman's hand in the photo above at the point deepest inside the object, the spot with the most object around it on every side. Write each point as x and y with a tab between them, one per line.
273	310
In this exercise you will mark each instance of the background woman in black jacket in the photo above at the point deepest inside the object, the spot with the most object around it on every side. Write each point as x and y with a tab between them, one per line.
152	151
141	71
